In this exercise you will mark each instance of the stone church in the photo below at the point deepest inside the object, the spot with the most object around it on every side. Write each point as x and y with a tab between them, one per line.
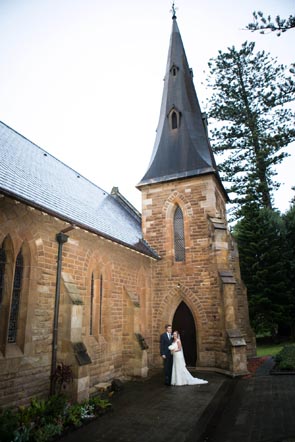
87	280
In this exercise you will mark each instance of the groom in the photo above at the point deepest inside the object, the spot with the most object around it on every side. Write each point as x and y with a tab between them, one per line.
166	340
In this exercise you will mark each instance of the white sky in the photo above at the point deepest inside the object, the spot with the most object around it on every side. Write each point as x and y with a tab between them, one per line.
83	79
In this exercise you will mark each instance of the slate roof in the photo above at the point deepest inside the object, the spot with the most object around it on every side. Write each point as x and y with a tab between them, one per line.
184	151
33	176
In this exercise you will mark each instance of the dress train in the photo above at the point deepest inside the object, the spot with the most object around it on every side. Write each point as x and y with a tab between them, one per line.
180	374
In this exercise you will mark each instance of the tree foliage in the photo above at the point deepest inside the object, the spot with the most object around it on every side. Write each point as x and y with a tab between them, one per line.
289	256
279	25
261	241
250	94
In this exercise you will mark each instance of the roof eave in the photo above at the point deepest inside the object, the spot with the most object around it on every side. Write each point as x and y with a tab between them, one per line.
150	254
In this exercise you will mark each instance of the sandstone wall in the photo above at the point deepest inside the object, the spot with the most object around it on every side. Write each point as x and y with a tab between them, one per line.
121	306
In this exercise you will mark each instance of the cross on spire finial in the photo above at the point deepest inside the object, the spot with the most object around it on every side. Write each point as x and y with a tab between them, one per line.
173	10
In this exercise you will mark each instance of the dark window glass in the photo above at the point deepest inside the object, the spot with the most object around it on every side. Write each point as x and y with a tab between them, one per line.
100	303
2	272
179	245
12	329
91	303
174	120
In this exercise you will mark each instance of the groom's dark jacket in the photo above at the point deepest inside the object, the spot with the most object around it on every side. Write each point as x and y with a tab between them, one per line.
164	344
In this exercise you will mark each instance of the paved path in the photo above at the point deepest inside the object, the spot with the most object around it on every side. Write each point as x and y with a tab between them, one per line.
260	408
149	411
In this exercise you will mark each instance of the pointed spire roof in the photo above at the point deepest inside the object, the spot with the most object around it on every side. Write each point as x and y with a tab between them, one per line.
182	148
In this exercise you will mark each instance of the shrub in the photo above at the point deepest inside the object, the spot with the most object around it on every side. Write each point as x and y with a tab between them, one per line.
43	420
62	376
285	359
8	422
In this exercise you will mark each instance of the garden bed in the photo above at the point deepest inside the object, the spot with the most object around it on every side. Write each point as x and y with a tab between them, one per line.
46	420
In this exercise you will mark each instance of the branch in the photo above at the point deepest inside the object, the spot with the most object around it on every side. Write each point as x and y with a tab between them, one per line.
278	25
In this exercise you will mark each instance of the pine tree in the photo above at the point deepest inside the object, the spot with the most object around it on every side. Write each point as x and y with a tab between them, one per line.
260	238
289	255
250	93
279	25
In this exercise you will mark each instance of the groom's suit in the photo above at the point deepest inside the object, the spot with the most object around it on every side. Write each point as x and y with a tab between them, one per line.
168	360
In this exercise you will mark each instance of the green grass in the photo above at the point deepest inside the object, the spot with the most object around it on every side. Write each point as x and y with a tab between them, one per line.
269	350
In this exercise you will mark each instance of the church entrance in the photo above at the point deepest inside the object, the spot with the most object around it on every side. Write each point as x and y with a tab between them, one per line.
184	323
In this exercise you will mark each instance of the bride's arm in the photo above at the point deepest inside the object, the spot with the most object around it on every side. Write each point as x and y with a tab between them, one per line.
178	345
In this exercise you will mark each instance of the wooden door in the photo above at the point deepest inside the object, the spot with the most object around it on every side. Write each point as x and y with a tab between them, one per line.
184	323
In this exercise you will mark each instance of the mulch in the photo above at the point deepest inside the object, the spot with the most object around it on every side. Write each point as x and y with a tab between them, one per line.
254	364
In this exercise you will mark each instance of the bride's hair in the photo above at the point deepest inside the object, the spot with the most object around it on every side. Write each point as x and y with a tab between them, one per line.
178	335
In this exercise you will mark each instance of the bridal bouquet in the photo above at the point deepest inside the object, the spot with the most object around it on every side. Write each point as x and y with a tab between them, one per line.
173	346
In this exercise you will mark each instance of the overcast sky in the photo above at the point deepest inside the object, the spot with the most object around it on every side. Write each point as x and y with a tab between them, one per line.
83	79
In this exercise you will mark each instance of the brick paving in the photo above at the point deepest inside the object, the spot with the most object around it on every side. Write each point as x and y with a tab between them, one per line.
260	408
149	411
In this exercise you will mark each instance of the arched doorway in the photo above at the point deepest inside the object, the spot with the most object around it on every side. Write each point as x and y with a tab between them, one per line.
184	323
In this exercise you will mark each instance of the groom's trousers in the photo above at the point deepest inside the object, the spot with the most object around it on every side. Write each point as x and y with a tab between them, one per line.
168	361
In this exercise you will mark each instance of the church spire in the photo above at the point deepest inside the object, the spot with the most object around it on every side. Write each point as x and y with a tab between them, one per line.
182	147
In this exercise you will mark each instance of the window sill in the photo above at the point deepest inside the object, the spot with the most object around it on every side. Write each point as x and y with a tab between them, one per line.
13	351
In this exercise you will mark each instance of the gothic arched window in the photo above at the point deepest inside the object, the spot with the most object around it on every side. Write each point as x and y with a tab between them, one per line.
2	271
91	304
174	69
15	302
100	302
179	244
174	120
96	295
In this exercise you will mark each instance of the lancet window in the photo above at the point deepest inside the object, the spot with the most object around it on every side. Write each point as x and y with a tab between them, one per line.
179	243
2	271
15	302
96	295
91	303
174	69
14	280
174	118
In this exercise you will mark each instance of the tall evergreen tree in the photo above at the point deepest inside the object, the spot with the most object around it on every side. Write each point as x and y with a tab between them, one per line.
289	255
260	238
250	93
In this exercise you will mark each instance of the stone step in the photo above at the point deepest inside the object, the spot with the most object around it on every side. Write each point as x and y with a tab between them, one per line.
103	386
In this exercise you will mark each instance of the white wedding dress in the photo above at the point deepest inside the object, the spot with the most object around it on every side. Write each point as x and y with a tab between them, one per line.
180	374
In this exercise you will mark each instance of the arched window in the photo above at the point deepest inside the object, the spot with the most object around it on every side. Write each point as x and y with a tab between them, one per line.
174	70
91	304
100	302
179	244
174	120
2	271
96	298
15	302
6	272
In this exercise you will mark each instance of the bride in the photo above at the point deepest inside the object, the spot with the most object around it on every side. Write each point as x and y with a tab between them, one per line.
180	374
